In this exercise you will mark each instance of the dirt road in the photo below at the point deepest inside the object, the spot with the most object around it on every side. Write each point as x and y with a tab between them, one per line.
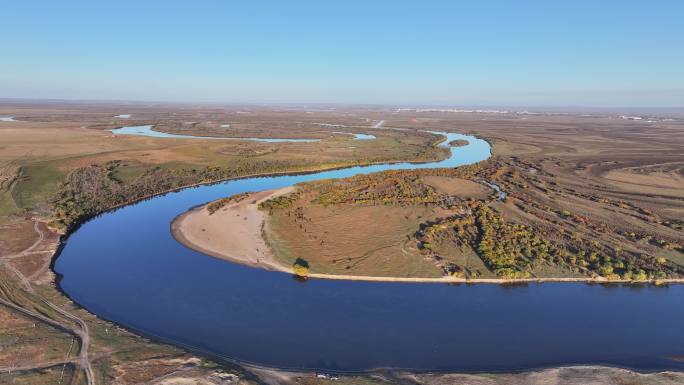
79	327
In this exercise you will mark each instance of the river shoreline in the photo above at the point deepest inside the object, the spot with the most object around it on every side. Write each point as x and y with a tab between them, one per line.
263	370
179	231
204	231
306	171
269	262
212	292
266	260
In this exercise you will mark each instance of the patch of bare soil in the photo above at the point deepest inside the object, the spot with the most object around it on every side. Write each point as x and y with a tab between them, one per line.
233	232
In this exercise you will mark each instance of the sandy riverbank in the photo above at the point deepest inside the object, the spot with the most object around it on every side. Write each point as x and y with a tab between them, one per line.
488	280
232	233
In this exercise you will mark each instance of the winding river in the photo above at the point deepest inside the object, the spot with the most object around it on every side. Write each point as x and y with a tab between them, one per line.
148	131
125	266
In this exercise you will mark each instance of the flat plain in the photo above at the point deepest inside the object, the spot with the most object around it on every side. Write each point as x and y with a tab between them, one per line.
608	187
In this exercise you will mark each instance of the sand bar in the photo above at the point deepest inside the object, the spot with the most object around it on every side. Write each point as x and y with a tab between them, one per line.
232	233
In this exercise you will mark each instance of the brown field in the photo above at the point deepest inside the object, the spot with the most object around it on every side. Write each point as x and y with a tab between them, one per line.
25	342
565	179
334	241
620	181
462	188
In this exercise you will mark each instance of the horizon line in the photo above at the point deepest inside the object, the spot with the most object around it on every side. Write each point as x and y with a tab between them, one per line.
348	104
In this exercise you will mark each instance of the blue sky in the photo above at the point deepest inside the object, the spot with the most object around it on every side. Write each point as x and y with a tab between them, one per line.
526	53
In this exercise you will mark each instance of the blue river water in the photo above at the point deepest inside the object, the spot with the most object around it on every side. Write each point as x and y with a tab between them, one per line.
125	266
148	131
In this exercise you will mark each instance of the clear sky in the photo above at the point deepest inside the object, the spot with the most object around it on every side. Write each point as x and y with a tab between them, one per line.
590	53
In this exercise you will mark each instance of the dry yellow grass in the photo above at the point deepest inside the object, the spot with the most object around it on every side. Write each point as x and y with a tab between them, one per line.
459	187
351	239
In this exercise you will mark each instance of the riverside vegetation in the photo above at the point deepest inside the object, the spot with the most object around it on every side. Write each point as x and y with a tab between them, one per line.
90	190
515	237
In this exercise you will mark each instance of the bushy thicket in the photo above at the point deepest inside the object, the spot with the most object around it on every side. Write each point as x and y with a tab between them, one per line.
513	250
88	191
279	202
220	203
